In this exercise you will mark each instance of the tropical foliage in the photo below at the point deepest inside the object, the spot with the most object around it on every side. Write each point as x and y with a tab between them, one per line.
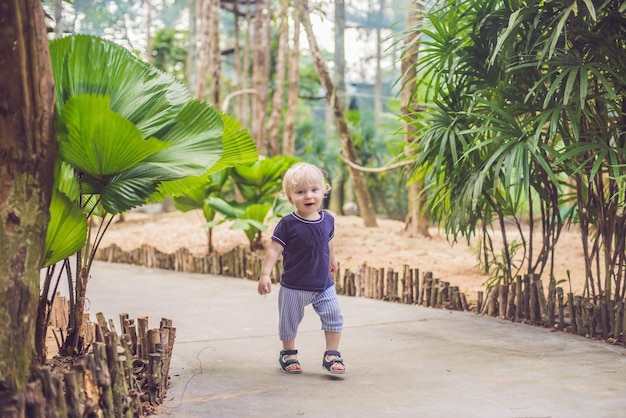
128	135
258	187
527	126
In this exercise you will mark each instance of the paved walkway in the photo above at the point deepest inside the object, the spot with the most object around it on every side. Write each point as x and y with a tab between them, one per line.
403	361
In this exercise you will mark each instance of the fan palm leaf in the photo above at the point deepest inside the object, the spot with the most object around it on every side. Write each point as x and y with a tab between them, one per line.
67	229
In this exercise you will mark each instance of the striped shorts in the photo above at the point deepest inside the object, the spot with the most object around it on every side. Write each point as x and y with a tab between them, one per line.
291	304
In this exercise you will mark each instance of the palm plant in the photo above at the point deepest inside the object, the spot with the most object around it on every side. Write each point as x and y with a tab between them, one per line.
577	51
128	134
479	147
198	195
259	185
529	112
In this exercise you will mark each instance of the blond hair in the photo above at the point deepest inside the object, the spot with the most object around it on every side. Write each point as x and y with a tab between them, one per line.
304	174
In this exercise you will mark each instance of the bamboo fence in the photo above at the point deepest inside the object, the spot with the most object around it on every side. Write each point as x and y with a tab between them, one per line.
122	376
525	300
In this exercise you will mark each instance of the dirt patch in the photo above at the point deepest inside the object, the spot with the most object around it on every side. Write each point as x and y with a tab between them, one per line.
387	246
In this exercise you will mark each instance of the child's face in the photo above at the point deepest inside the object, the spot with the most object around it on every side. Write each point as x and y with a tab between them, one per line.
307	198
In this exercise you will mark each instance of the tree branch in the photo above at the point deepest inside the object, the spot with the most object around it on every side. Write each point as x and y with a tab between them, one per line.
376	169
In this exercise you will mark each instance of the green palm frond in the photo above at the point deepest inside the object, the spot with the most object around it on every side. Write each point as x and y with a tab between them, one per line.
67	229
196	138
142	94
98	141
122	119
239	148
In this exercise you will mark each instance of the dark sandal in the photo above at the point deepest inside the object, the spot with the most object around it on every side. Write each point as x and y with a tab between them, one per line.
284	364
328	364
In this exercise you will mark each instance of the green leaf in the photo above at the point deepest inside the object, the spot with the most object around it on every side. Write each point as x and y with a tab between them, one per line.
239	147
225	208
195	135
145	96
67	229
98	141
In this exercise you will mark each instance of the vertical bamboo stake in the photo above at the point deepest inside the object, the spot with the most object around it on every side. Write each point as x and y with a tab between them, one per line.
142	328
416	283
541	300
73	393
580	320
604	320
53	391
464	303
103	379
572	313
589	314
551	304
491	304
434	292
407	285
118	381
154	377
502	298
35	403
510	302
618	329
527	308
519	299
559	295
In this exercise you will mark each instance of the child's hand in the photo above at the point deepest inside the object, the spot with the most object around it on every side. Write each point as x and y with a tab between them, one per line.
265	285
334	266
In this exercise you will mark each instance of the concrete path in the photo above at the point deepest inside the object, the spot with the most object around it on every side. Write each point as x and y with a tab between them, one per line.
403	361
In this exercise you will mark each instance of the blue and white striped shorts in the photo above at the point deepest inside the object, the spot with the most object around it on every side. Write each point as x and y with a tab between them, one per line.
291	304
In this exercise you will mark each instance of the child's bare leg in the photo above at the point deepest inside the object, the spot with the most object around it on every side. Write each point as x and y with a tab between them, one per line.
332	340
332	343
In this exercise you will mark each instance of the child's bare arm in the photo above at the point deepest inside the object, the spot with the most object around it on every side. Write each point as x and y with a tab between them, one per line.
334	265
269	261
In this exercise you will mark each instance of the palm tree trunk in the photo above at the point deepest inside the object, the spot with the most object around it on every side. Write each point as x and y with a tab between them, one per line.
364	200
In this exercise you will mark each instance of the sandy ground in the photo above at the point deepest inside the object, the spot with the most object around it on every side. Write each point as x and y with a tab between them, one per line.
387	246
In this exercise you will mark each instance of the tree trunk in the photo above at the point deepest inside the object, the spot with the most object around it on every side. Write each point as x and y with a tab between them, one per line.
363	197
215	54
260	69
204	7
237	59
244	102
192	50
27	154
273	124
339	75
378	83
417	221
289	132
339	183
58	18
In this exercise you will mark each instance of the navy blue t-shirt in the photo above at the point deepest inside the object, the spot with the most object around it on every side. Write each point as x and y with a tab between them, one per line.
306	256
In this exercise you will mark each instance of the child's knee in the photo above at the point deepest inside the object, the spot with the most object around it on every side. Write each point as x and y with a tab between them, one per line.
332	323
